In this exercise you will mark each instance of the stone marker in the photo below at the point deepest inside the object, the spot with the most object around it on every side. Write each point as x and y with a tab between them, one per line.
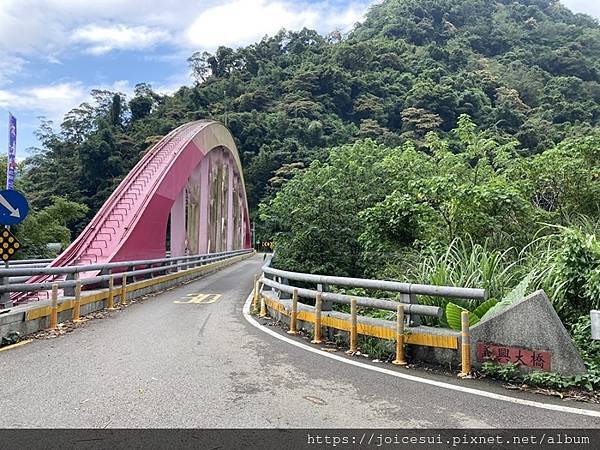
528	332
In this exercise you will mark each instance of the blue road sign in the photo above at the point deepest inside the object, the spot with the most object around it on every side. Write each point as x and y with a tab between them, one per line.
13	207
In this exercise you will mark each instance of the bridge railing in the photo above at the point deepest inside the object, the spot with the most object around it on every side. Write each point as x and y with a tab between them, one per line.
132	270
40	262
279	280
30	263
406	307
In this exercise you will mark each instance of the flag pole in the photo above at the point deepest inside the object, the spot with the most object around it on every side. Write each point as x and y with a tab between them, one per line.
11	161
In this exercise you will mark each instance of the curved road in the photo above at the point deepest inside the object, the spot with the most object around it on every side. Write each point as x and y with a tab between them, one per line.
188	358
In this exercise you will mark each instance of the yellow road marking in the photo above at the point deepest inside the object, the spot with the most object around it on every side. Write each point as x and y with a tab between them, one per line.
18	344
215	298
198	299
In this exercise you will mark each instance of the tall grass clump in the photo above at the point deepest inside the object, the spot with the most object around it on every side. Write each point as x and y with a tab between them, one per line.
466	264
564	262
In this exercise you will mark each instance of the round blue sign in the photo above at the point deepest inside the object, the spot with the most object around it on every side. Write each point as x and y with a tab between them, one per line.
13	207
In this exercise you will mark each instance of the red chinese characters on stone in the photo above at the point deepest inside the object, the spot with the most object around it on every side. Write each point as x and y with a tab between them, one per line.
531	358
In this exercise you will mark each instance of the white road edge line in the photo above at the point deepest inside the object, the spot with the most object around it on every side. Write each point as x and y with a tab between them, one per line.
440	384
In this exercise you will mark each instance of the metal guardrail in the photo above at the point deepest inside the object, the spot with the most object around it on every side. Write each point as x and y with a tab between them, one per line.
129	269
392	286
29	263
21	262
69	270
279	281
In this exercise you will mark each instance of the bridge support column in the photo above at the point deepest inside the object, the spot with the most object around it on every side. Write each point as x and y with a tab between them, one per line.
204	205
230	222
178	232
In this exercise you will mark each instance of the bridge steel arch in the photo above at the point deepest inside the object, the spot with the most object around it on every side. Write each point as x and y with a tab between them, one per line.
194	176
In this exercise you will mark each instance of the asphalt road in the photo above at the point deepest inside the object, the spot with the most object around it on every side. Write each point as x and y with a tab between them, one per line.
189	359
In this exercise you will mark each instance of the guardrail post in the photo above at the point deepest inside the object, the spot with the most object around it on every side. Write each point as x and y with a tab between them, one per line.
5	301
255	295
130	277
284	295
104	284
294	314
327	304
268	277
353	327
400	359
317	324
54	307
77	305
263	307
595	324
110	302
412	319
70	290
123	290
465	347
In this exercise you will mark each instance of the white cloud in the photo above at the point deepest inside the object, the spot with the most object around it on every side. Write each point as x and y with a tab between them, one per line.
25	30
102	39
42	26
53	101
584	6
240	22
53	26
9	65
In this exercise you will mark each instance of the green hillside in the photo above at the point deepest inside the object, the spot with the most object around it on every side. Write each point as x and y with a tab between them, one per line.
527	69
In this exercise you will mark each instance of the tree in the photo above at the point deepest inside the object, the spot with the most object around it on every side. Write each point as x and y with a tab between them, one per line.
115	111
48	225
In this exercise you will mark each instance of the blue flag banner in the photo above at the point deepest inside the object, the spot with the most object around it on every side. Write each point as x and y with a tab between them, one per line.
12	151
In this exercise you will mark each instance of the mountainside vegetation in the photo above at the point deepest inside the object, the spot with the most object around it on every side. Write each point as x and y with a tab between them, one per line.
524	70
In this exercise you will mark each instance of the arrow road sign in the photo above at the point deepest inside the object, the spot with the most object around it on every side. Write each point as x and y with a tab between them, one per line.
13	207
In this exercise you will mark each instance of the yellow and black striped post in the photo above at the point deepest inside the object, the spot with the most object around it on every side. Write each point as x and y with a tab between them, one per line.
317	325
54	307
353	327
77	305
400	359
110	303
294	314
465	346
124	290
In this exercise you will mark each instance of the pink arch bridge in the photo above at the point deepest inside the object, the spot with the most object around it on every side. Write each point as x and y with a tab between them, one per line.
187	191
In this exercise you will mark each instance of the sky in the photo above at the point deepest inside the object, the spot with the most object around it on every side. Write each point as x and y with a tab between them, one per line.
54	52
